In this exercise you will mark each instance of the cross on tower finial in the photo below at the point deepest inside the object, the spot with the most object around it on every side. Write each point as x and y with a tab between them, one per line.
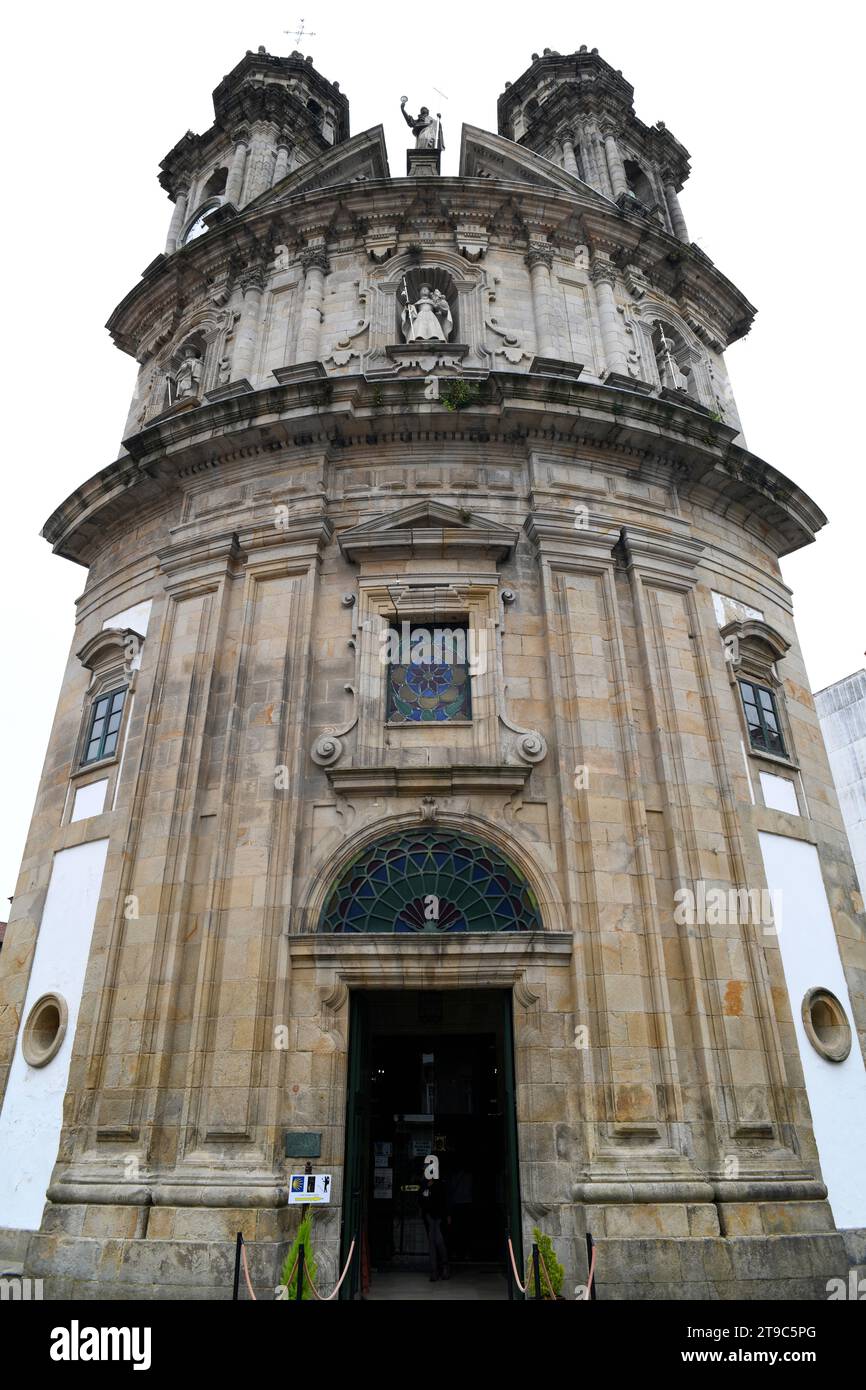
301	32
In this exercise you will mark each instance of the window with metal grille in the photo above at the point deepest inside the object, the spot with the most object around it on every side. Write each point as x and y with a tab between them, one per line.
762	718
105	718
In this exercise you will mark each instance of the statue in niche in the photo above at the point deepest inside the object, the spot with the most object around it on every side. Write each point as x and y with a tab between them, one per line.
428	319
670	373
427	129
187	379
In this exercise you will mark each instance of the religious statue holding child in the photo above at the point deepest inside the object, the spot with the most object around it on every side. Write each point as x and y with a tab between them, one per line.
428	318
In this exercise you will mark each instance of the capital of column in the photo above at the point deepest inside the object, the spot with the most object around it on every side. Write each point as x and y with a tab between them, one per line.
314	258
254	277
539	253
602	272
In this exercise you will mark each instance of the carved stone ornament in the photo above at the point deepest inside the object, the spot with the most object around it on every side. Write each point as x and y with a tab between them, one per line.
328	747
315	258
539	253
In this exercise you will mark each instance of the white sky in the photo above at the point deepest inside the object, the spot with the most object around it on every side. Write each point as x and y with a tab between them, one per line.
765	96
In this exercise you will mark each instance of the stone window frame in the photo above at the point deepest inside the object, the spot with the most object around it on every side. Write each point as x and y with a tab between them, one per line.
107	657
37	1052
473	603
839	1048
752	650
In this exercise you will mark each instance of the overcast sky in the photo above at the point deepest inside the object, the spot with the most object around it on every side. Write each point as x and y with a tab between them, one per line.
766	97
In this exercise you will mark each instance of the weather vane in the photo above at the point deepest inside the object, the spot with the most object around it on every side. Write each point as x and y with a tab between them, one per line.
301	32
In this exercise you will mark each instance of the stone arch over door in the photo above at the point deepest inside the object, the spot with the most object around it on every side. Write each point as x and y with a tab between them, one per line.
329	868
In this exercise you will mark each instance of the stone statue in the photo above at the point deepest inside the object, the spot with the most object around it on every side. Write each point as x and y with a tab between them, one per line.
188	375
427	129
670	371
428	319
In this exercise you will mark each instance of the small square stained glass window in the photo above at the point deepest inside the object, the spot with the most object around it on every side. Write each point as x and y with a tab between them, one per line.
428	674
762	718
105	717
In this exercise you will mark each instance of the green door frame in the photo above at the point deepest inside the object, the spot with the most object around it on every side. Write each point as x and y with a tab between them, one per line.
357	1141
358	1137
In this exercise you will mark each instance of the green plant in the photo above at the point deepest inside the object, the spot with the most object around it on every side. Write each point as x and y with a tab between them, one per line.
555	1271
302	1237
458	394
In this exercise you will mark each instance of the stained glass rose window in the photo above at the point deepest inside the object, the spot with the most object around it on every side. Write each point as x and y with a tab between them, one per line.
428	674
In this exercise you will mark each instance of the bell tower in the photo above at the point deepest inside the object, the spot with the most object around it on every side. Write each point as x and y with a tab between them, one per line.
578	112
271	115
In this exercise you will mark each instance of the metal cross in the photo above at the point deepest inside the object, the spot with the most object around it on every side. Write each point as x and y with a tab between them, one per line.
301	32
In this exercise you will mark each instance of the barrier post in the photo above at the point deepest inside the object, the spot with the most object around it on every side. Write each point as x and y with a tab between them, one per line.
536	1271
238	1243
589	1248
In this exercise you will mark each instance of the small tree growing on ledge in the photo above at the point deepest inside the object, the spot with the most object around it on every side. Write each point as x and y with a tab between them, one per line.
458	394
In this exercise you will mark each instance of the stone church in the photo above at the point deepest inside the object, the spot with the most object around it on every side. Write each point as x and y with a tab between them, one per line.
435	771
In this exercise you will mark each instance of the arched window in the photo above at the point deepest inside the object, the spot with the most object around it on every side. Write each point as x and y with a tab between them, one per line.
198	226
216	184
639	184
430	880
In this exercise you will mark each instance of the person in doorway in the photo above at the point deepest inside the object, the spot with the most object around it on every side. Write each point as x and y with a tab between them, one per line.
433	1200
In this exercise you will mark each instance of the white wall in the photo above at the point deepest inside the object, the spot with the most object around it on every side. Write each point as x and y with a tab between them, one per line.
810	956
33	1106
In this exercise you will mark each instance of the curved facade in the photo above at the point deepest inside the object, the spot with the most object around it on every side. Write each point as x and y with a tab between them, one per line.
605	769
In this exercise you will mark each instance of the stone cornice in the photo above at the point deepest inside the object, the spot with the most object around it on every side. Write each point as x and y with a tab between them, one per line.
516	409
564	218
428	781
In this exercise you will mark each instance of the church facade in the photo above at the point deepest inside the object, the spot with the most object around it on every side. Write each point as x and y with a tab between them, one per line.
435	769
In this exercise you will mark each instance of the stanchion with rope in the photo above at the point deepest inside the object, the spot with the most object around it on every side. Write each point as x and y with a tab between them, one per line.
302	1270
522	1287
590	1254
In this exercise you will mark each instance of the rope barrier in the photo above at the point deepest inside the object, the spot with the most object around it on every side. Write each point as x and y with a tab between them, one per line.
591	1273
522	1287
246	1268
336	1289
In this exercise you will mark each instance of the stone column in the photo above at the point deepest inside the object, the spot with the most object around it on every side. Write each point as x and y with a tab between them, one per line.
177	220
235	180
590	163
603	276
615	165
281	164
569	158
314	259
252	282
259	164
678	222
540	260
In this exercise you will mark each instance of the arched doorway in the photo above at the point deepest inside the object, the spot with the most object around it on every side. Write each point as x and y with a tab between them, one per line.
430	1071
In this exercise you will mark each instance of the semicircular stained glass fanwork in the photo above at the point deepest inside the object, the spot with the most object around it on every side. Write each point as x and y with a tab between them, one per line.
430	881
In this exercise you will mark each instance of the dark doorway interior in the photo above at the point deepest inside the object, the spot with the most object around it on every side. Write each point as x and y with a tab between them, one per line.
430	1073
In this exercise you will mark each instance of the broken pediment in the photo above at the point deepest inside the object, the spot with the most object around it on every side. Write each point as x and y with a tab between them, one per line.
359	159
483	155
428	528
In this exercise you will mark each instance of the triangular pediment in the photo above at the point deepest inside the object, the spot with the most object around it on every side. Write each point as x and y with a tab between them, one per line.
484	155
428	528
353	161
